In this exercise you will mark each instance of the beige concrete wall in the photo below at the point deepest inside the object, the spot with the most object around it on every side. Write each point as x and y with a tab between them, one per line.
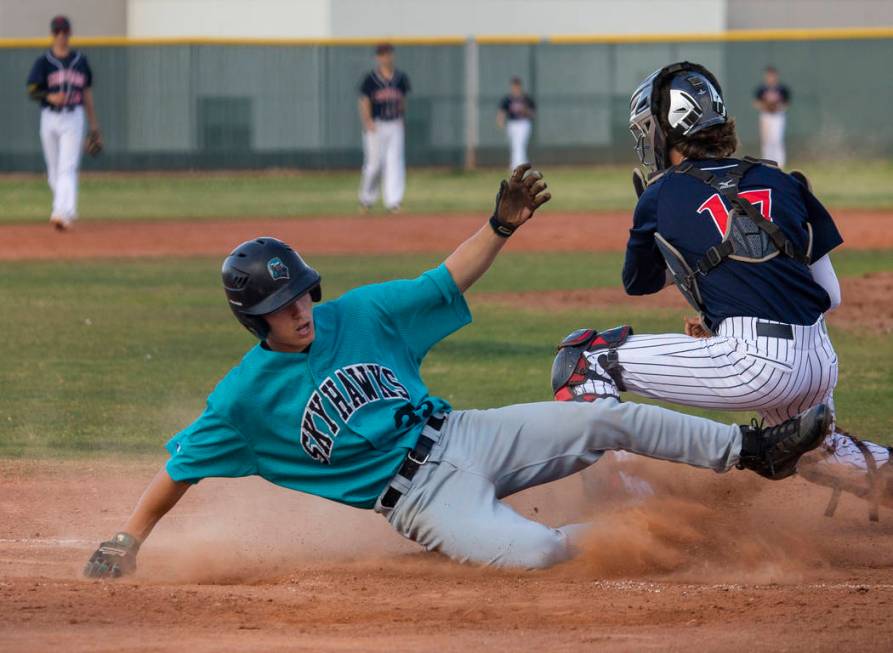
524	17
229	18
31	18
784	14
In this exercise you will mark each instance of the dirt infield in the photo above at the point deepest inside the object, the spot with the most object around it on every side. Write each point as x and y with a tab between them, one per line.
245	565
556	232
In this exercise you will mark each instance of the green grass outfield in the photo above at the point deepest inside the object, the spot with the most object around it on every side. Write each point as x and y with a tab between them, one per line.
114	356
862	184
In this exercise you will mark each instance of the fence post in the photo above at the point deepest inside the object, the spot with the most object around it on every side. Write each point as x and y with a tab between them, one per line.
471	103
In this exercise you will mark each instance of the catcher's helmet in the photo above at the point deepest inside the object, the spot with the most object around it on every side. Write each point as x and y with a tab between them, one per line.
261	276
672	103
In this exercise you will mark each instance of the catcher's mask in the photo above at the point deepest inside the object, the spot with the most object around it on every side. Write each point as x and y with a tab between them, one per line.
261	276
672	103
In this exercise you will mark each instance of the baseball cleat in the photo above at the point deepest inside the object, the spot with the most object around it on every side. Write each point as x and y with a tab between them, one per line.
60	224
365	208
773	452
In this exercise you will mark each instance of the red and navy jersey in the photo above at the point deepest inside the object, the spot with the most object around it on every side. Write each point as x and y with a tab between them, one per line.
70	75
518	108
386	94
693	217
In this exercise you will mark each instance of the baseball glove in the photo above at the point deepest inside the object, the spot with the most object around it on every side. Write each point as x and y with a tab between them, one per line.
93	144
114	558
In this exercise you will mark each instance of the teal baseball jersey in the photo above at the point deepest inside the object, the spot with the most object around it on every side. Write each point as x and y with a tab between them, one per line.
335	421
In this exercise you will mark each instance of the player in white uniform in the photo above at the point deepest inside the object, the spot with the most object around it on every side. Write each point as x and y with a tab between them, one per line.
748	246
382	107
61	81
515	114
771	99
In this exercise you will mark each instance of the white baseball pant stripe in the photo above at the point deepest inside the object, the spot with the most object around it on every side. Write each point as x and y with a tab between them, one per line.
62	138
518	132
452	505
772	136
383	164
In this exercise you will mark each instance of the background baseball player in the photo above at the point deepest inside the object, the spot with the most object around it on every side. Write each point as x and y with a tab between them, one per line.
382	107
331	402
772	99
748	246
515	113
61	81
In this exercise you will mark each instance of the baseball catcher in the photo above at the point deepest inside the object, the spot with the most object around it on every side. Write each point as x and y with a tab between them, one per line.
330	401
748	246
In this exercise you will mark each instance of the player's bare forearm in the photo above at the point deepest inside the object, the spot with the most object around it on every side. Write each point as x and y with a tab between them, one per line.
365	110
518	199
90	108
500	119
472	258
160	496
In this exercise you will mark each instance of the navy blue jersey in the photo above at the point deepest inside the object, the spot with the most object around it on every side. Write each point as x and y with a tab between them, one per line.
387	95
517	108
693	217
69	75
775	97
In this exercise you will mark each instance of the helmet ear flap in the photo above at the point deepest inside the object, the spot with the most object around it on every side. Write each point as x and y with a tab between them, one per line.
316	293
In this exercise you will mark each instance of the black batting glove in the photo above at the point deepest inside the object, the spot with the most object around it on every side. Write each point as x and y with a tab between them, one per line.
114	558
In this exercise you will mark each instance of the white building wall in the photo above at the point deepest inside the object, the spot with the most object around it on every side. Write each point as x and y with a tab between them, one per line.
524	17
229	18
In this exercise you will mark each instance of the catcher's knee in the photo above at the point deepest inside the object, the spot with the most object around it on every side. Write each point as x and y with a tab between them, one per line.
586	366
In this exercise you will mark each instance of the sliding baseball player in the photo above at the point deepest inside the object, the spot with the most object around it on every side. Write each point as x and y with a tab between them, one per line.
330	401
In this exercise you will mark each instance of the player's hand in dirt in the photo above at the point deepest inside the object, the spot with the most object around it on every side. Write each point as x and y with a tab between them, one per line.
695	328
520	196
114	558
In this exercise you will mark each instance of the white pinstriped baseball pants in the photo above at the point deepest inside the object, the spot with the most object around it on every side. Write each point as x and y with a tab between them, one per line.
738	370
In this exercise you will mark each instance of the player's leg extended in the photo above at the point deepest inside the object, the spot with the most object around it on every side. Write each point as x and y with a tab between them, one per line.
49	141
394	166
457	513
529	444
71	142
372	164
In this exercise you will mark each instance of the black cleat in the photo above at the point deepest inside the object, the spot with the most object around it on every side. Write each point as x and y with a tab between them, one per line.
773	452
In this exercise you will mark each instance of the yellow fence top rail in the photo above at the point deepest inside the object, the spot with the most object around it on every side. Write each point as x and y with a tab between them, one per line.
855	33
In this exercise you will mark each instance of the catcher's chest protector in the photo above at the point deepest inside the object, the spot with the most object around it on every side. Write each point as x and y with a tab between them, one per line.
749	237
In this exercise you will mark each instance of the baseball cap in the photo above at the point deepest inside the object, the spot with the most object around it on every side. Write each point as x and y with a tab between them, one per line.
384	48
60	24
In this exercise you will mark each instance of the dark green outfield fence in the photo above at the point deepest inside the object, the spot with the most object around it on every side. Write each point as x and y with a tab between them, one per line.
209	105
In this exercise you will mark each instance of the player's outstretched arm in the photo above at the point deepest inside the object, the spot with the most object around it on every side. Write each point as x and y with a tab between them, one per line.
516	202
117	556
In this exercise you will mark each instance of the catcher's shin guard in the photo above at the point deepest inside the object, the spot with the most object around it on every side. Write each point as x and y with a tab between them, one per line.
586	366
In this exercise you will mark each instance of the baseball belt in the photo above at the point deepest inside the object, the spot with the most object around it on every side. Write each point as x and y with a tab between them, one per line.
774	330
415	458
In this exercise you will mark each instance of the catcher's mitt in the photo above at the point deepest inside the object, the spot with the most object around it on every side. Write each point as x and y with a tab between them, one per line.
93	144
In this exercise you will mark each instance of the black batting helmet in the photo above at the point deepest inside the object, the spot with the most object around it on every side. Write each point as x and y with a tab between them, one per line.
671	104
261	276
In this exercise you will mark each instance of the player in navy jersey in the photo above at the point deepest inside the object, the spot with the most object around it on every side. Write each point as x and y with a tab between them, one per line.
382	106
61	82
515	114
748	246
771	99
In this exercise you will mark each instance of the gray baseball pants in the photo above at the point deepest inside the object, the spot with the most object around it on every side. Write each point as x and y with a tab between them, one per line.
452	505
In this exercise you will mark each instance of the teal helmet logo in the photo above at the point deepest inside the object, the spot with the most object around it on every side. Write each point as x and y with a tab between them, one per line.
277	269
